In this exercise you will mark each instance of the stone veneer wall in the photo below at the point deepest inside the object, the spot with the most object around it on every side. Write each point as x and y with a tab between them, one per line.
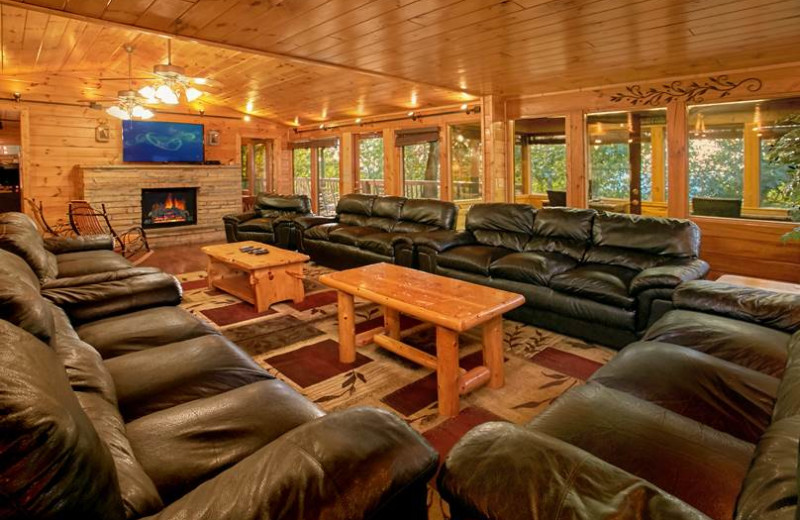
119	187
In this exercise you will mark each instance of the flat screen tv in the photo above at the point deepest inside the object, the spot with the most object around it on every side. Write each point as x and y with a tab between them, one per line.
162	142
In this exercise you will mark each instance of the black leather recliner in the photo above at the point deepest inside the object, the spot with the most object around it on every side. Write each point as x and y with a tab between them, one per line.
270	221
599	276
369	229
140	410
699	420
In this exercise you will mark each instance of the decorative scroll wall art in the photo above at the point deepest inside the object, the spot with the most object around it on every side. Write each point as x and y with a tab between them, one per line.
694	92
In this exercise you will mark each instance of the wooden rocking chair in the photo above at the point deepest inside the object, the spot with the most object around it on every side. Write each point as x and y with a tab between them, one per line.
60	229
86	220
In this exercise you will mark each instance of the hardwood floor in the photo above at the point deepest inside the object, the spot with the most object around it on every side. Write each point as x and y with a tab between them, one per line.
178	259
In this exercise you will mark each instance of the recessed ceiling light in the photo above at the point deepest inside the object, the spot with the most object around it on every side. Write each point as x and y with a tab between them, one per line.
247	118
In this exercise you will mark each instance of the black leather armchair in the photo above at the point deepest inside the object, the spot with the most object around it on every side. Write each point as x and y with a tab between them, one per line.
603	277
270	221
369	229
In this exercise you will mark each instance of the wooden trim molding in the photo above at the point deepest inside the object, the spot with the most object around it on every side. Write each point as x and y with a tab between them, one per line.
694	92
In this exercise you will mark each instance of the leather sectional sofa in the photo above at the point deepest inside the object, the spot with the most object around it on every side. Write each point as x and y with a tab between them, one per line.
599	276
369	229
270	221
699	420
128	407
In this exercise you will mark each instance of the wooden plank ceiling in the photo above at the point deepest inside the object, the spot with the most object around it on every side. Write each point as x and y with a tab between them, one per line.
504	47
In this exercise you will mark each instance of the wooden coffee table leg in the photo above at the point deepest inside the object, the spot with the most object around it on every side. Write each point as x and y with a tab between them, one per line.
391	322
347	328
210	273
493	351
447	372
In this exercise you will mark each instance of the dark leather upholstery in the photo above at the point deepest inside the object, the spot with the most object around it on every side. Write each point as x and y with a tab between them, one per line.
617	261
369	229
61	245
666	429
18	235
144	411
271	220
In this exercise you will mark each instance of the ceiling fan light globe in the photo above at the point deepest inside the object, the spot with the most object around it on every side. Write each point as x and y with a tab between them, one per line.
148	92
117	112
165	94
192	94
199	81
147	114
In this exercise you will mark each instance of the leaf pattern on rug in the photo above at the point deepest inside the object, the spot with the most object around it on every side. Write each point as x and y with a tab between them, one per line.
348	386
556	379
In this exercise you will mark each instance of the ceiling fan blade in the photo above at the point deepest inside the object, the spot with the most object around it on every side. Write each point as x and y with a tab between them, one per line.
126	79
204	82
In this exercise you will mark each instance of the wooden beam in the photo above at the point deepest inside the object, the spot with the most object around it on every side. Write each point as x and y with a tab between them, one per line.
347	163
677	144
525	167
392	174
751	184
577	171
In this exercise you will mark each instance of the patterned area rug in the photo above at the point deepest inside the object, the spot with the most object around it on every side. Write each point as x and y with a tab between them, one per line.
298	344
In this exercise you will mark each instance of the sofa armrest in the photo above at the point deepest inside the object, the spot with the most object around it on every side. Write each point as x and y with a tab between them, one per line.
99	300
308	222
239	218
61	245
502	471
356	464
443	240
772	309
94	278
669	275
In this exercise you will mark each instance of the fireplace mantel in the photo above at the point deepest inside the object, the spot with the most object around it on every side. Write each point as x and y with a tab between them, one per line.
119	187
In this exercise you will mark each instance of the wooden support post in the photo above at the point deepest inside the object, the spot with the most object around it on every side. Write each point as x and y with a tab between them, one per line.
525	166
315	179
347	164
448	374
493	351
392	165
751	185
577	171
677	144
658	191
347	328
391	322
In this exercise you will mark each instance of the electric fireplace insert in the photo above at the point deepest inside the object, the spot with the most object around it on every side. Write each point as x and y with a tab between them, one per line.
169	207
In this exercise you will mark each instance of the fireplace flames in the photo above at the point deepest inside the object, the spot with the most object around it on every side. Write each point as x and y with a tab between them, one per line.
173	209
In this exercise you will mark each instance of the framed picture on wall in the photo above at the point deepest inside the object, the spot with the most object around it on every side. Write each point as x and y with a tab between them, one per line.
102	133
213	138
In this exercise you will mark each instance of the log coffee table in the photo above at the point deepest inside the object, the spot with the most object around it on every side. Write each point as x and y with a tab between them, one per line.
452	306
258	279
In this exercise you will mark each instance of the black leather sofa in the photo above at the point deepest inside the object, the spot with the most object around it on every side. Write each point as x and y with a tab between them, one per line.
599	276
369	229
129	407
699	420
270	221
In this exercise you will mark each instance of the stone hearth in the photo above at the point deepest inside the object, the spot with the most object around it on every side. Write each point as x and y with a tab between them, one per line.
120	187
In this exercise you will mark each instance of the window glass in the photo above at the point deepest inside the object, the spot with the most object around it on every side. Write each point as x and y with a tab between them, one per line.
301	164
466	161
421	176
328	171
260	160
744	158
627	161
243	162
370	165
540	160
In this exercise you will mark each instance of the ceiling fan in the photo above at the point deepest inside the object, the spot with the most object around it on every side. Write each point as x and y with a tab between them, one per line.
170	81
128	104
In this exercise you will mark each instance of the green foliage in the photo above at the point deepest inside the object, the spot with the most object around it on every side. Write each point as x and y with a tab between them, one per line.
716	167
610	171
466	164
784	155
370	158
421	163
548	167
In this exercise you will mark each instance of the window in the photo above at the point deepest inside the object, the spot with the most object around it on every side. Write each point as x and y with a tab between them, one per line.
370	165
744	158
420	162
301	166
255	165
627	161
328	171
466	161
540	159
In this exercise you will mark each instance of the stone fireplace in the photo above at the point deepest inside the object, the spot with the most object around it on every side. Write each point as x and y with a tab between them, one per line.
169	207
126	190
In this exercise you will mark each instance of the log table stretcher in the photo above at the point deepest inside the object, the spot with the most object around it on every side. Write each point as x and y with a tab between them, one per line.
451	306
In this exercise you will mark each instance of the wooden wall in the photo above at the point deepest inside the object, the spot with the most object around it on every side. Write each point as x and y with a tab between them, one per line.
63	137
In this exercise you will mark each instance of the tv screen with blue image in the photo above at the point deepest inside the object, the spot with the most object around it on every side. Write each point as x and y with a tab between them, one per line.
161	142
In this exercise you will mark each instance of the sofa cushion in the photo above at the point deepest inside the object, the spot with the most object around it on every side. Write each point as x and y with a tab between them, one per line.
531	267
385	212
321	232
258	224
18	235
21	302
182	446
562	230
162	377
501	225
382	243
699	465
53	463
602	283
350	235
267	204
472	259
354	209
717	393
142	330
746	344
654	235
433	214
89	262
